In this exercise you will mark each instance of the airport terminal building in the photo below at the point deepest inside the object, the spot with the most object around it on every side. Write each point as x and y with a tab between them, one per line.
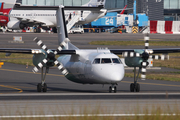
155	9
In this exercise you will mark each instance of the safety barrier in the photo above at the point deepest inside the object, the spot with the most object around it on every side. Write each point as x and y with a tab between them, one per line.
165	27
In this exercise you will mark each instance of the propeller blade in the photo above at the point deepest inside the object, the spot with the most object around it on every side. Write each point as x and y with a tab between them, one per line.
61	68
130	54
41	44
62	45
146	39
159	57
40	65
143	70
51	56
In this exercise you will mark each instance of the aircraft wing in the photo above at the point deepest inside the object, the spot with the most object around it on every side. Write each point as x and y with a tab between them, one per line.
117	10
155	51
71	52
33	51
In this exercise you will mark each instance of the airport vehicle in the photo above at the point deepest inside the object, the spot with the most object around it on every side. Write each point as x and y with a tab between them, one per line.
76	29
88	66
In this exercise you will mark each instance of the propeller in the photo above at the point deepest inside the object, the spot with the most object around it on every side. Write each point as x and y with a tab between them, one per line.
50	56
145	56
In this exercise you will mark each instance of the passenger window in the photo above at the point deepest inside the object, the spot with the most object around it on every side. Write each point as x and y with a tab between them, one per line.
105	60
115	60
96	61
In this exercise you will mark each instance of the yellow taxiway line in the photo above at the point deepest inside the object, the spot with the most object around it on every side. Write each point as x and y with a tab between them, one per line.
20	90
11	87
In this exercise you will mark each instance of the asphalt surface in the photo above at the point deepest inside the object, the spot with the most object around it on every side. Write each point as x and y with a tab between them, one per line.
18	83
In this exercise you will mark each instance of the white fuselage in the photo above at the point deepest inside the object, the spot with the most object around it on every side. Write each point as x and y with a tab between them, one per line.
48	17
83	69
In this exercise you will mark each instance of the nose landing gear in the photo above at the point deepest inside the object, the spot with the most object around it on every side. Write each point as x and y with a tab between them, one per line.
112	88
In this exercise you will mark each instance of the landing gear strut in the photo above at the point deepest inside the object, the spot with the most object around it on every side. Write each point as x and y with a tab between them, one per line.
112	88
135	86
42	86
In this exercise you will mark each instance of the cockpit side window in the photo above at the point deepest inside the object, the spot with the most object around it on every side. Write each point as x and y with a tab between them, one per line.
105	60
116	61
96	61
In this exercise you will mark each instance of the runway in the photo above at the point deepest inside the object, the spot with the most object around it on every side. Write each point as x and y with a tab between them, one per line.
18	85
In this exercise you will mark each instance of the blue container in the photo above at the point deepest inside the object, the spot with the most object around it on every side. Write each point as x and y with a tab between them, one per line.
107	21
143	20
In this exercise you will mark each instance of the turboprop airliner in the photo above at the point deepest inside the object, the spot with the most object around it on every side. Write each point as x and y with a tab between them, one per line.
87	66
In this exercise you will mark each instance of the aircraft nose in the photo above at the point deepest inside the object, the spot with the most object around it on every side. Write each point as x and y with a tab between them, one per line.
117	76
112	73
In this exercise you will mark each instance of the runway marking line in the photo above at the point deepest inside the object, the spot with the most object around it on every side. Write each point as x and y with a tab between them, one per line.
20	90
88	115
63	76
28	72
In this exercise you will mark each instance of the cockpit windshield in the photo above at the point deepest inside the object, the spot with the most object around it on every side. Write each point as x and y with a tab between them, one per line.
96	61
107	60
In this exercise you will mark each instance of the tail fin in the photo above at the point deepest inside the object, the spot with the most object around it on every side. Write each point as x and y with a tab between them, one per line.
1	6
122	12
95	3
62	29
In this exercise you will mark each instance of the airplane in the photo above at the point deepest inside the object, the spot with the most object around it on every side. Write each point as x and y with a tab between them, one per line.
88	66
18	19
3	18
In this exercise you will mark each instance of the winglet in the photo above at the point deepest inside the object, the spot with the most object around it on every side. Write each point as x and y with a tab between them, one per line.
1	7
122	12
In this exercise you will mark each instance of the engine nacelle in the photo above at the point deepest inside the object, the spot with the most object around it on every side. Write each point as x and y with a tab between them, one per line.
15	25
133	61
38	58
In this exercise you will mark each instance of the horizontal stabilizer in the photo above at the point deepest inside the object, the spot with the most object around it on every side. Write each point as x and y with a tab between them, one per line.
19	7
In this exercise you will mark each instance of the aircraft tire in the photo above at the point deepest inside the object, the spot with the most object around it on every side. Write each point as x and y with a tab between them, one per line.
137	87
39	87
54	29
110	89
38	30
115	89
132	87
45	87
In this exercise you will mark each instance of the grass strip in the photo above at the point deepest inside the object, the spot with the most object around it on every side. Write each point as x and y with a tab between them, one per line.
127	43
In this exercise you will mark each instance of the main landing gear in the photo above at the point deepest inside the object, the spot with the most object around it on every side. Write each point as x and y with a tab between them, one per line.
112	88
135	86
42	86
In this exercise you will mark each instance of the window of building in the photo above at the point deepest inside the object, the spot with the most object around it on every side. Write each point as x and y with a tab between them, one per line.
77	2
166	4
59	2
174	4
40	2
